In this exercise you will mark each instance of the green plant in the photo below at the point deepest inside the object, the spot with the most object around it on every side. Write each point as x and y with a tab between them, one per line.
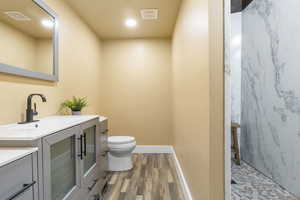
75	104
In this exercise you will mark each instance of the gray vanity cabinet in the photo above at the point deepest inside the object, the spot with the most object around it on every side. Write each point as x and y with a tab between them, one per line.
19	179
71	162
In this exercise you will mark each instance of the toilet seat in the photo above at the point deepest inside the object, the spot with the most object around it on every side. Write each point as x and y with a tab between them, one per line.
121	143
120	140
121	147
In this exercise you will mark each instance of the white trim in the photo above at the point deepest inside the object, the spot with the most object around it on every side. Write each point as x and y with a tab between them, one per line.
186	190
153	149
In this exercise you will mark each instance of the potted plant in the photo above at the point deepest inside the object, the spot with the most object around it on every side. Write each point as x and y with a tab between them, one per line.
75	104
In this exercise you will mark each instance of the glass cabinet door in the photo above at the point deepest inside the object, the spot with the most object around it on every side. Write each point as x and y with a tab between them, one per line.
61	175
89	135
63	168
89	166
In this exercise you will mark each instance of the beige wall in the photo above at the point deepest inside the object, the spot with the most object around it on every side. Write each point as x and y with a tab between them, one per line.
80	62
136	89
217	125
16	48
192	96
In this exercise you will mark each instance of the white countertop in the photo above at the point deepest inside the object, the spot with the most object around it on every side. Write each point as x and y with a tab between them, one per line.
10	154
44	127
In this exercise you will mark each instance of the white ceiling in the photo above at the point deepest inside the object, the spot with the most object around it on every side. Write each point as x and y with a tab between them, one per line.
106	17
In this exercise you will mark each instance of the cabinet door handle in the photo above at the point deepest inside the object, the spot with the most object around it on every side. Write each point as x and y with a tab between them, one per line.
104	189
105	131
81	150
25	187
84	143
93	185
97	197
105	175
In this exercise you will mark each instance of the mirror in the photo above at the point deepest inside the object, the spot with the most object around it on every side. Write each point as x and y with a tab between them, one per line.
28	39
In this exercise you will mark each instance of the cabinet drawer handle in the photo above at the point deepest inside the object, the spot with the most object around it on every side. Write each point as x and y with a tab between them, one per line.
97	197
104	189
25	187
104	153
104	132
93	185
105	175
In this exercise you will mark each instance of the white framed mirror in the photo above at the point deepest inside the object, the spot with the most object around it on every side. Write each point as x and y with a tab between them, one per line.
28	39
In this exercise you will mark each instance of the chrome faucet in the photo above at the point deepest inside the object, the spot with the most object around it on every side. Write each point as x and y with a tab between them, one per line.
29	111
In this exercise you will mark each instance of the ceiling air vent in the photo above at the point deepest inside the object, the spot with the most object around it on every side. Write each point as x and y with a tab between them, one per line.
149	14
17	16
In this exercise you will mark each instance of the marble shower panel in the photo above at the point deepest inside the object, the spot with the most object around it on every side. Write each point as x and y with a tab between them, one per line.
235	66
271	90
235	63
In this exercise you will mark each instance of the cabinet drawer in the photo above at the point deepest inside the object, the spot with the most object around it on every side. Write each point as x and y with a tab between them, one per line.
103	136
103	162
18	180
104	127
90	191
91	177
103	143
95	192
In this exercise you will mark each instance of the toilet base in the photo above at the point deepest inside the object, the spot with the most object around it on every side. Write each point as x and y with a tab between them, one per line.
118	163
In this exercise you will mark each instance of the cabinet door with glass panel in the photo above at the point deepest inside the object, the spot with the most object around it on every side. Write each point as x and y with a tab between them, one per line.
61	164
89	166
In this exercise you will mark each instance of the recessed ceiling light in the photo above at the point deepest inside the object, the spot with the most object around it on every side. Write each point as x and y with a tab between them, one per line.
47	23
130	23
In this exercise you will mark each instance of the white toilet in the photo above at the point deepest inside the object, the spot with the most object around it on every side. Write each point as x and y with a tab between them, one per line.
120	152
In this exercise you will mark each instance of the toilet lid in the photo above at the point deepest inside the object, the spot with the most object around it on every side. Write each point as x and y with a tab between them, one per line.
120	139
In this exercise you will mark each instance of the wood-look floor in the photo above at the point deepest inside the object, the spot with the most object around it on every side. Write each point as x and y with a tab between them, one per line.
153	177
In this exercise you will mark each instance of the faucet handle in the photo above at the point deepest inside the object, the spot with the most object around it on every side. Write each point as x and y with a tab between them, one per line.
34	111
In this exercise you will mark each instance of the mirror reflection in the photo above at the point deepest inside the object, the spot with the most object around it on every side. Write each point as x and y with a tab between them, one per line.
26	32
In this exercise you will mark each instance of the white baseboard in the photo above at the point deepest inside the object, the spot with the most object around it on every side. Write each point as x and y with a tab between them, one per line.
153	149
167	149
186	190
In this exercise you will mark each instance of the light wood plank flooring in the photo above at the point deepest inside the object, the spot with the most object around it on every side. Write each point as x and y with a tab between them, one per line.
153	177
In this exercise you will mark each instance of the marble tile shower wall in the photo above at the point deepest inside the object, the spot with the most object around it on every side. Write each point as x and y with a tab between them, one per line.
271	90
235	63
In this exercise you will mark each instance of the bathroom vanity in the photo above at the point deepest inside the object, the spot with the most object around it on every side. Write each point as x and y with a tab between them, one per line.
71	155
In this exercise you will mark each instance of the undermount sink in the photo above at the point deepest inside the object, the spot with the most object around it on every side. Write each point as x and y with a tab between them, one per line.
46	126
25	127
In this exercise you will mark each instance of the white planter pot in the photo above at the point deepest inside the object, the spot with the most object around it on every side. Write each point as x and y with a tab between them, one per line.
76	112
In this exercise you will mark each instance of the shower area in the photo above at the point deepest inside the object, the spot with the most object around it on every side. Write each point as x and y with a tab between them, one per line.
263	76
